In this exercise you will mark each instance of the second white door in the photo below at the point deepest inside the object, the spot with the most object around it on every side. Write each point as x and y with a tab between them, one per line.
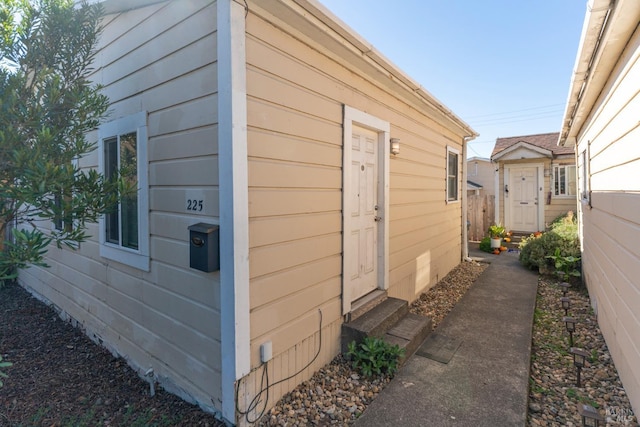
523	190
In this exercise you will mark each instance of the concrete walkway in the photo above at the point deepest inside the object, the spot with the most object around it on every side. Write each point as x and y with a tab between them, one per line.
486	381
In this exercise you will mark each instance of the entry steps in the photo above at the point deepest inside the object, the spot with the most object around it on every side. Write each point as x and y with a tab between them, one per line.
387	318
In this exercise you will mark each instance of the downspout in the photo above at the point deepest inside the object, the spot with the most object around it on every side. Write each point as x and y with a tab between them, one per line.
465	231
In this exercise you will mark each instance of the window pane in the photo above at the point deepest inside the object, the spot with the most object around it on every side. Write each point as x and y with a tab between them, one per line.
453	163
563	180
110	171
129	204
57	221
452	176
571	180
452	193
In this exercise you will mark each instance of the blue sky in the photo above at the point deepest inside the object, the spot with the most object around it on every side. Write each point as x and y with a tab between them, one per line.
503	66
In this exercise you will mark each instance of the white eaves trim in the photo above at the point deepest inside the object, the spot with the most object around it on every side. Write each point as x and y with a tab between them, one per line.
533	151
606	30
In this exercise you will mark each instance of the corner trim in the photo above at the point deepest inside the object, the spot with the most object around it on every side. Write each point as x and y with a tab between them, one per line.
234	200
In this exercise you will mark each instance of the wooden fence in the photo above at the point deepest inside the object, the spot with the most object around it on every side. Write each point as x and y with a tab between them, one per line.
480	214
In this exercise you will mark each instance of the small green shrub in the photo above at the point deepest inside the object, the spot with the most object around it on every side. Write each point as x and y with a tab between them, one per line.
485	245
374	356
559	242
566	266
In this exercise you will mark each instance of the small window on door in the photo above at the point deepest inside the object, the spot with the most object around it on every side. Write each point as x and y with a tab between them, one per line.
453	156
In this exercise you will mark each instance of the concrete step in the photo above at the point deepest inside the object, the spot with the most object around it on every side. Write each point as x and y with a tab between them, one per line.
375	322
409	333
391	321
366	303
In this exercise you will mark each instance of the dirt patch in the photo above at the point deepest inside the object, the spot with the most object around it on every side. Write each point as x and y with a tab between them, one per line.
61	378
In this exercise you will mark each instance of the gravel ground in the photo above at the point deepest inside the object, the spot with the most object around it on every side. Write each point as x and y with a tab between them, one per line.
61	378
553	394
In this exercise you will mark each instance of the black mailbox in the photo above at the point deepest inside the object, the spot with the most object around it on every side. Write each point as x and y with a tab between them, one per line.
204	247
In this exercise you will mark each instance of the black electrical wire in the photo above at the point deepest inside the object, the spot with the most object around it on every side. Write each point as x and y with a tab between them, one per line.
253	405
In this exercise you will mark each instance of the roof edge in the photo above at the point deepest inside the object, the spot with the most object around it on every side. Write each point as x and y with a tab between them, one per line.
607	28
328	18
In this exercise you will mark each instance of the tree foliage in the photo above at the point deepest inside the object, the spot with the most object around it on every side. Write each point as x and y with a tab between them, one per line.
47	106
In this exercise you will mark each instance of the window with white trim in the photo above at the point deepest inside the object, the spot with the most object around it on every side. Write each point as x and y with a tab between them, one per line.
564	179
452	174
124	231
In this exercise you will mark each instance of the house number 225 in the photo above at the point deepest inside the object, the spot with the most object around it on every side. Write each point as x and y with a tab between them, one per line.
195	205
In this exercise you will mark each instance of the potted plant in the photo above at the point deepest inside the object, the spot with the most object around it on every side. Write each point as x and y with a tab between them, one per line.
496	232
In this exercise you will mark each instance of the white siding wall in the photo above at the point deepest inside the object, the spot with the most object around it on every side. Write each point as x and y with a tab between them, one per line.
160	59
611	223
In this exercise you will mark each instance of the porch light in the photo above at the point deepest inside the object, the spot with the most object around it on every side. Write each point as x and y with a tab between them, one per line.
579	357
566	303
590	416
395	146
570	324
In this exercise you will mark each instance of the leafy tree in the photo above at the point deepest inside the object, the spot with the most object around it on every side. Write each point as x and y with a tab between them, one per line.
47	106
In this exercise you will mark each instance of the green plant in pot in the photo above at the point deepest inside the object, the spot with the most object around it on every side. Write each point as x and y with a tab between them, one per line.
496	232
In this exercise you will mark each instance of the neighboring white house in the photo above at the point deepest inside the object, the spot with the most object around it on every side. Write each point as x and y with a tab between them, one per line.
480	176
602	122
273	121
535	181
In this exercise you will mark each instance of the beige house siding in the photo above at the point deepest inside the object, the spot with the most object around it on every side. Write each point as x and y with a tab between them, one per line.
160	59
610	222
296	91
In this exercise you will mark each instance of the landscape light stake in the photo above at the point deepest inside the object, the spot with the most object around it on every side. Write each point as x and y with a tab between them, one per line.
570	324
566	303
565	288
588	412
579	356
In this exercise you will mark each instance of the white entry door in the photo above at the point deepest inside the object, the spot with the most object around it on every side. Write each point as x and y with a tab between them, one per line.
364	209
523	192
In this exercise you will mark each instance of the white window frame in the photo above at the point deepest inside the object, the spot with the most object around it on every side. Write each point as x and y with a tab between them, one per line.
556	171
135	258
451	150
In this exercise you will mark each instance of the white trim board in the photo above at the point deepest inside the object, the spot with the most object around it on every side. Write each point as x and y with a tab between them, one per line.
234	200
